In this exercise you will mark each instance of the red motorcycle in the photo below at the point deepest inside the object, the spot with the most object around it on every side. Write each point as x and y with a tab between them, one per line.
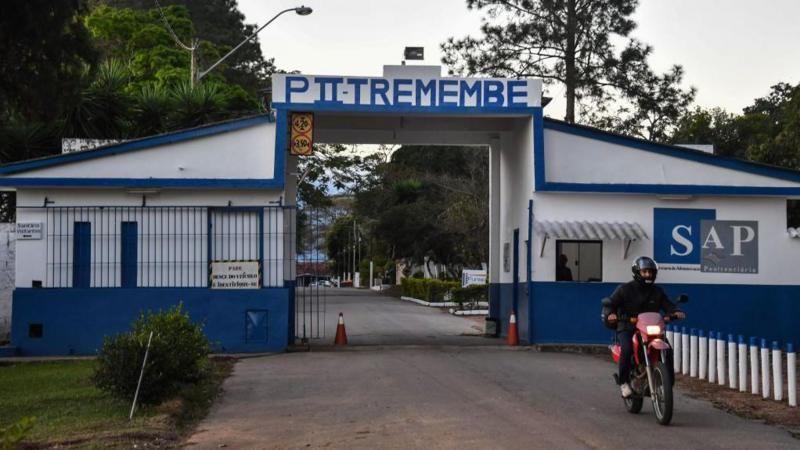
650	373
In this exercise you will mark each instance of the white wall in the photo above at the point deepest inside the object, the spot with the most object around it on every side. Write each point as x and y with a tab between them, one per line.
779	255
245	153
35	262
577	159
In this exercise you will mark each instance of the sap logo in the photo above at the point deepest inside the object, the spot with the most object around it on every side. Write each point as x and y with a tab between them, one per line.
677	233
729	246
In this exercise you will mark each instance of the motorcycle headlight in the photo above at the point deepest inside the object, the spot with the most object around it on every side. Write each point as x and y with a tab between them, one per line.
653	330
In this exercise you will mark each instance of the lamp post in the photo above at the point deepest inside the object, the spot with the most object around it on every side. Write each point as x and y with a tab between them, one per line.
300	10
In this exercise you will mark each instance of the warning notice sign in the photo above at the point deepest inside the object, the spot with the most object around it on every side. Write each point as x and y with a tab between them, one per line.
302	136
235	275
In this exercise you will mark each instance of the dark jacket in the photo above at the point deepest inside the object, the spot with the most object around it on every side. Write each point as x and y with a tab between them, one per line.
633	298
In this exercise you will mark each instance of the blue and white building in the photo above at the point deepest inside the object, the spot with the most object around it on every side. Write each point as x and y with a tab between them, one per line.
206	217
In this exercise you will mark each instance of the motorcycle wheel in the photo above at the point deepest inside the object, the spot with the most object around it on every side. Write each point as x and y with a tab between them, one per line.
662	397
633	404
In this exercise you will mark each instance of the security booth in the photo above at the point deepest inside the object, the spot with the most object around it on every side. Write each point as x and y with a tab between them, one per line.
206	218
717	227
196	217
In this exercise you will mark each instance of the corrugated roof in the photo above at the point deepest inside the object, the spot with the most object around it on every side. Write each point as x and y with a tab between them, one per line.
591	230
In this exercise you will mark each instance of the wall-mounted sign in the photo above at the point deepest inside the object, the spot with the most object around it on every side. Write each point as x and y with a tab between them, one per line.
729	246
29	230
676	234
412	92
235	275
302	136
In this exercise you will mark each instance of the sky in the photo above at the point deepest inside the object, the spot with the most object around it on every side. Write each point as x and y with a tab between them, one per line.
732	50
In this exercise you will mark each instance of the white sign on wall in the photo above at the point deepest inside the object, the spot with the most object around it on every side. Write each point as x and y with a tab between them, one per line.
29	230
235	275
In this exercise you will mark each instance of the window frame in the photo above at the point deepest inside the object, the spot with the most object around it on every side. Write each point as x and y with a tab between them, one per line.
579	241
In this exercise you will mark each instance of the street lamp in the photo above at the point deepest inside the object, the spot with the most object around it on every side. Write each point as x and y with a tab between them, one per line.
300	10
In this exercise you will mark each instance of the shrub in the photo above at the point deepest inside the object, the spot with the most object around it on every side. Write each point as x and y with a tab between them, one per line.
11	436
428	289
471	294
178	356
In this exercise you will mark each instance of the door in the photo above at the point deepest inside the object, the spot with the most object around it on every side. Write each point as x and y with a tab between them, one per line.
82	254
128	254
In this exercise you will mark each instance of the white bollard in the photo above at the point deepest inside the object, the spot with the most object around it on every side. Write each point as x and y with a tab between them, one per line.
742	365
721	359
764	369
712	357
685	351
791	374
732	366
677	351
703	354
777	371
754	377
693	353
671	337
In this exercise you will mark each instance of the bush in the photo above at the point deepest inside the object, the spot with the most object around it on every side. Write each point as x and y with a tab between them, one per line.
471	294
11	436
428	289
178	356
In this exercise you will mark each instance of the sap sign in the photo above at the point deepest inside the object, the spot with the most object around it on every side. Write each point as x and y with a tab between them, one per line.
406	93
729	246
677	232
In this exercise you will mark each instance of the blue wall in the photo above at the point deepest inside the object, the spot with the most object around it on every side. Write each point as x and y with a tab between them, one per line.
570	312
76	320
500	300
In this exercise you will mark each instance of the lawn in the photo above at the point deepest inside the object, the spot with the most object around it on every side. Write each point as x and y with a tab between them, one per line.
68	409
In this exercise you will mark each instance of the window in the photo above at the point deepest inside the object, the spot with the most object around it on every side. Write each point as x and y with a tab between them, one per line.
792	213
579	261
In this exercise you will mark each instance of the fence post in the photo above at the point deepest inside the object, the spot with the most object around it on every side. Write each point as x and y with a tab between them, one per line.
791	374
712	357
677	350
754	377
720	358
742	364
670	338
777	371
686	351
701	337
732	382
764	369
693	353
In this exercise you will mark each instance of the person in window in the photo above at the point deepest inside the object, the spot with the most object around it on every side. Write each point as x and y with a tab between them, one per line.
562	271
631	299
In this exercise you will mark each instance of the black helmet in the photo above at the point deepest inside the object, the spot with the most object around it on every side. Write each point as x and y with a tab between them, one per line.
641	263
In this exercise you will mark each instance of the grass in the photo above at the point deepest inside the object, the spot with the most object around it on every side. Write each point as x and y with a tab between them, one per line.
69	410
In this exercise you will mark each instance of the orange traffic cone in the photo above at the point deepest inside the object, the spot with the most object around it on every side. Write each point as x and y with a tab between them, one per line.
341	333
513	334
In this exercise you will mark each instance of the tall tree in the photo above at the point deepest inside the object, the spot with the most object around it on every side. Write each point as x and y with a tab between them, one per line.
567	42
44	49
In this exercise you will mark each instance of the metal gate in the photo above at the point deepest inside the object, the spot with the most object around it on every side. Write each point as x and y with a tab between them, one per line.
313	277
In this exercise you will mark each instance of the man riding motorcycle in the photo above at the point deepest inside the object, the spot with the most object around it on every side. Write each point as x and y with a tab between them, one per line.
630	299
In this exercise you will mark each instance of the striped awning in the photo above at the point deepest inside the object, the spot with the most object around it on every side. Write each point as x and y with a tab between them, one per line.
591	230
794	232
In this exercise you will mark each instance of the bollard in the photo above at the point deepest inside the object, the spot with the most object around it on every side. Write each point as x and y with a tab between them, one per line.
791	374
742	364
701	337
764	369
677	351
712	357
732	366
720	359
777	371
685	351
693	353
754	378
671	337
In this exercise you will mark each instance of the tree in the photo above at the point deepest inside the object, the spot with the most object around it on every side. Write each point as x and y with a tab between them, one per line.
709	126
45	50
569	42
220	23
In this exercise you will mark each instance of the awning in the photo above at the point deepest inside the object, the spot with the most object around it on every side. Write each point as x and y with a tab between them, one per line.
591	230
794	232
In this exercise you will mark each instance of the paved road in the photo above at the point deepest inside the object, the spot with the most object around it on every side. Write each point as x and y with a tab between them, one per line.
373	319
452	397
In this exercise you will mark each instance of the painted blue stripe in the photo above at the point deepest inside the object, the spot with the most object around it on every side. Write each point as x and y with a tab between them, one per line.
138	144
242	183
404	109
683	189
539	176
674	151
